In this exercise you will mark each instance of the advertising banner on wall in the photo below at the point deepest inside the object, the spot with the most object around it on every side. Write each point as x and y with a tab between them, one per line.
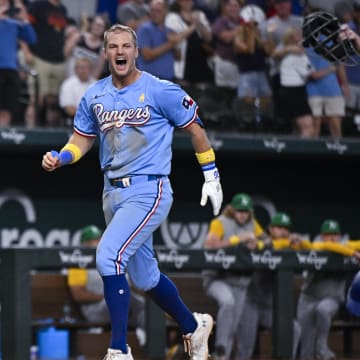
30	221
48	209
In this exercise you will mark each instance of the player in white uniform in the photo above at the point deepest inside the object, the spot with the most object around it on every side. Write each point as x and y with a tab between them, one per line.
134	115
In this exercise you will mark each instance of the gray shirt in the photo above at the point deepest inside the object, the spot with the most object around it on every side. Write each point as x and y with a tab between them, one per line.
274	29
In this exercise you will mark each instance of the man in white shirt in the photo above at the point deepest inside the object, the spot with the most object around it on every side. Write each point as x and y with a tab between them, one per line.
73	88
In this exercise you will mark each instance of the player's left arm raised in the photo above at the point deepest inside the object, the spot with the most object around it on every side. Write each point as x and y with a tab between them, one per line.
206	158
77	146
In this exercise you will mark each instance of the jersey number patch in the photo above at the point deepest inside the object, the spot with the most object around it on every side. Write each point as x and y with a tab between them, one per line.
187	102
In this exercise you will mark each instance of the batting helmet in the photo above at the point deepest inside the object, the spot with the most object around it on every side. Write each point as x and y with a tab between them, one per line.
353	296
320	31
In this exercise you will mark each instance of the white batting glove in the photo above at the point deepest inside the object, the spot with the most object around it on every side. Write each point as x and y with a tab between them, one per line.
212	189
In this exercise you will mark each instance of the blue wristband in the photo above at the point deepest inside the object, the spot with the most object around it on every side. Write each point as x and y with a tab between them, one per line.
65	156
209	166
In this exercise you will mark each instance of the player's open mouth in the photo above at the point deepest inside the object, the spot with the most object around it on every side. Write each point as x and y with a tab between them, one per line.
120	63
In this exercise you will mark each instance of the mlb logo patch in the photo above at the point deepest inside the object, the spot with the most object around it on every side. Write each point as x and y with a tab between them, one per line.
187	102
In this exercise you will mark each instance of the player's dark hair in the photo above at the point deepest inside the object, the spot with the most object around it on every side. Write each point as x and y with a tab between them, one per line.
121	28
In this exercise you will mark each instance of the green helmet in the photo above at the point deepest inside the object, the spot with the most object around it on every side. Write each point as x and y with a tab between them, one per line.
330	227
242	201
89	233
281	219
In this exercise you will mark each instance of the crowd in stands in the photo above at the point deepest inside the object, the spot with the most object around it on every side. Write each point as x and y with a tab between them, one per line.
241	60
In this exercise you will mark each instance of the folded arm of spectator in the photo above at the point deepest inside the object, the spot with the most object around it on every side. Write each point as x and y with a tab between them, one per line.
280	51
172	41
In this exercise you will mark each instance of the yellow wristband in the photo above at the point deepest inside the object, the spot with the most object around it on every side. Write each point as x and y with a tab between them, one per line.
206	157
234	240
75	151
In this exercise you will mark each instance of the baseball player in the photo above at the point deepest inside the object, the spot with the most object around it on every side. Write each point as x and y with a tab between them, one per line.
134	114
259	300
236	225
319	301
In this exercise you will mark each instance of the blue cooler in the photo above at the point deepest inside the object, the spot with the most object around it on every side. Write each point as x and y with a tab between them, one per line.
53	344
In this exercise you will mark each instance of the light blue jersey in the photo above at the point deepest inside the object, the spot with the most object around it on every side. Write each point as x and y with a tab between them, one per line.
325	86
135	124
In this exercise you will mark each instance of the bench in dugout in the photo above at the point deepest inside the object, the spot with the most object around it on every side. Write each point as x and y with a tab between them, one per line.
53	306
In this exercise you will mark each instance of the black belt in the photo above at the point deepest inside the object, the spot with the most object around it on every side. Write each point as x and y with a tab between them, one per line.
132	180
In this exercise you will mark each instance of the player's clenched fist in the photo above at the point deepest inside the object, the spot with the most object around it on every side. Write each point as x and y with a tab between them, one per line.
69	154
50	161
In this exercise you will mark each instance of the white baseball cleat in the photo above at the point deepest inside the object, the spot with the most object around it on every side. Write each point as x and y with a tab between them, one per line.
114	354
196	344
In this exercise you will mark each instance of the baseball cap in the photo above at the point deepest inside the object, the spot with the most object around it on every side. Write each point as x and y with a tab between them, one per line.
281	219
242	201
89	232
330	227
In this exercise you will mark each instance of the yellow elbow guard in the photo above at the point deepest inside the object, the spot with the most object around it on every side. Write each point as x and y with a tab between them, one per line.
74	150
206	157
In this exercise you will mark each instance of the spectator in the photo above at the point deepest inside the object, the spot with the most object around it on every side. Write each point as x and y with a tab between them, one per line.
277	24
193	65
343	9
225	28
264	5
211	8
319	301
74	87
86	289
108	9
81	9
49	18
326	95
253	90
295	71
86	44
236	225
274	30
157	43
133	13
14	26
258	308
353	72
